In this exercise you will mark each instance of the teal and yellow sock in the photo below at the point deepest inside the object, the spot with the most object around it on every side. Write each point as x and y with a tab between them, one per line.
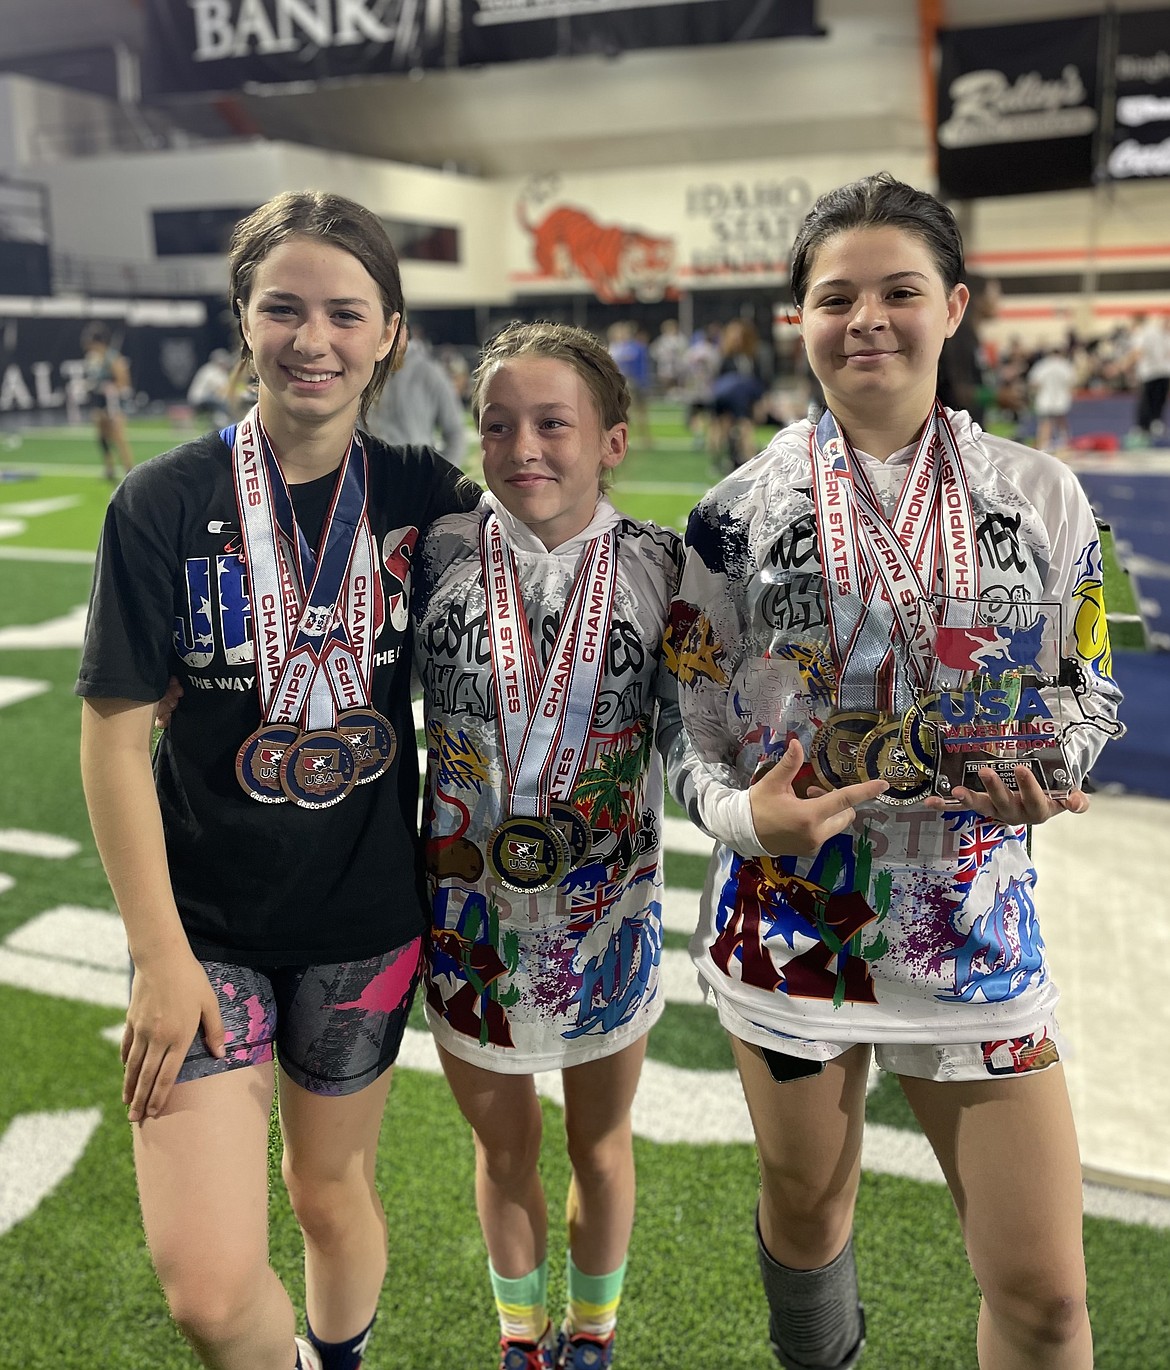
522	1303
593	1300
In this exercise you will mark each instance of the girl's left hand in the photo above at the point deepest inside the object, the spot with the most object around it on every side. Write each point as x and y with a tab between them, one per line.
1027	804
166	706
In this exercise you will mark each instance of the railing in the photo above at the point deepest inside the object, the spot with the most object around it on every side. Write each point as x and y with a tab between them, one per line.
73	274
124	128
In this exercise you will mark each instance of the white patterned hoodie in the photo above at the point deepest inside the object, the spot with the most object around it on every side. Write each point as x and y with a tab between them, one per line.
528	982
911	926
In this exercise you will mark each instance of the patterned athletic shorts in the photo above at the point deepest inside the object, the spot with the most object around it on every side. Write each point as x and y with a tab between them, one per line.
335	1028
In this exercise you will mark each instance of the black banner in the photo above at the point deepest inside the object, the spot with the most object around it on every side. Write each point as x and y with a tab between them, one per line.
1141	118
203	46
1018	108
41	360
221	45
511	30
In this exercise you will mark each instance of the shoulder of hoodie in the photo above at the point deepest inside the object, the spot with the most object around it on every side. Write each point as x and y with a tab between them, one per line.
653	539
463	524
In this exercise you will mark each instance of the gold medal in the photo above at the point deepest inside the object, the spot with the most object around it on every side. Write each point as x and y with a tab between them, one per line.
834	747
882	756
922	725
529	855
576	832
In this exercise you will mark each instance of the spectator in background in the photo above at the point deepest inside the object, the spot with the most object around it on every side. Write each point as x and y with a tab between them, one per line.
1051	382
668	352
1110	355
702	358
962	380
736	390
419	406
107	381
1149	361
1010	381
453	361
631	356
210	389
699	369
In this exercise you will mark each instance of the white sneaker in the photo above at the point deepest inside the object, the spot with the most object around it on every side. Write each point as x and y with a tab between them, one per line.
308	1352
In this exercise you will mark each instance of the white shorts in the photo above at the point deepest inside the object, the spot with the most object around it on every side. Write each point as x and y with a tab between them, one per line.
1037	1049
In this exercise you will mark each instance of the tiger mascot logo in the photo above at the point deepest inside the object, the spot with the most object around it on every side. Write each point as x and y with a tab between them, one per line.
619	263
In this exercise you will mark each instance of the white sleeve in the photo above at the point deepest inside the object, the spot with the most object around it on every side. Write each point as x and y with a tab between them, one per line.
699	770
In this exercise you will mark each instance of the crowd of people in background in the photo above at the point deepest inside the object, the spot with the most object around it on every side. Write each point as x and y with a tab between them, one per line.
734	382
1028	389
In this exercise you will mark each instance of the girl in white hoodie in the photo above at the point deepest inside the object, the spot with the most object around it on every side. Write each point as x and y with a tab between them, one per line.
543	819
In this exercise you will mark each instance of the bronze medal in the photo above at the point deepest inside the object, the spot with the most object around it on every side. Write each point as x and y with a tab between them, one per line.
258	761
882	756
576	832
834	747
318	770
372	739
528	855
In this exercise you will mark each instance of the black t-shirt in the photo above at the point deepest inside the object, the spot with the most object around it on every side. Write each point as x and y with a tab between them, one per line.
262	883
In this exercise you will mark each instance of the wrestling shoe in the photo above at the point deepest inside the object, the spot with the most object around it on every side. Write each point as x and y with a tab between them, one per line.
580	1351
307	1355
529	1355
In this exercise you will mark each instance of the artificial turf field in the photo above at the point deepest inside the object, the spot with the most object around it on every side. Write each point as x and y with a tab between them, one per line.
77	1286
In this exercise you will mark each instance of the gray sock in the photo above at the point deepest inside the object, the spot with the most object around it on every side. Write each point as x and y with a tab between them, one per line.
816	1322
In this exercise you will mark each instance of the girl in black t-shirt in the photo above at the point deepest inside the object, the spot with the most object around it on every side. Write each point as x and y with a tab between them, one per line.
267	568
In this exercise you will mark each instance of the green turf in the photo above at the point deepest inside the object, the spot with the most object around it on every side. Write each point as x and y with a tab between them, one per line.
77	447
1120	598
78	1287
76	1276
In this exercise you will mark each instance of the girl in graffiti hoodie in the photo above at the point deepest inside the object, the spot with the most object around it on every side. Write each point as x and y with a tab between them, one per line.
892	657
539	619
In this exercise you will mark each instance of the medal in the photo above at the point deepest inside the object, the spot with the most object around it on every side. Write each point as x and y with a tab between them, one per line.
529	855
833	752
576	832
258	761
881	570
882	756
545	712
372	740
921	725
311	632
318	770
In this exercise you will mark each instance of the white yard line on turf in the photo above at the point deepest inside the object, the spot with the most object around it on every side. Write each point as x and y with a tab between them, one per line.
61	555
